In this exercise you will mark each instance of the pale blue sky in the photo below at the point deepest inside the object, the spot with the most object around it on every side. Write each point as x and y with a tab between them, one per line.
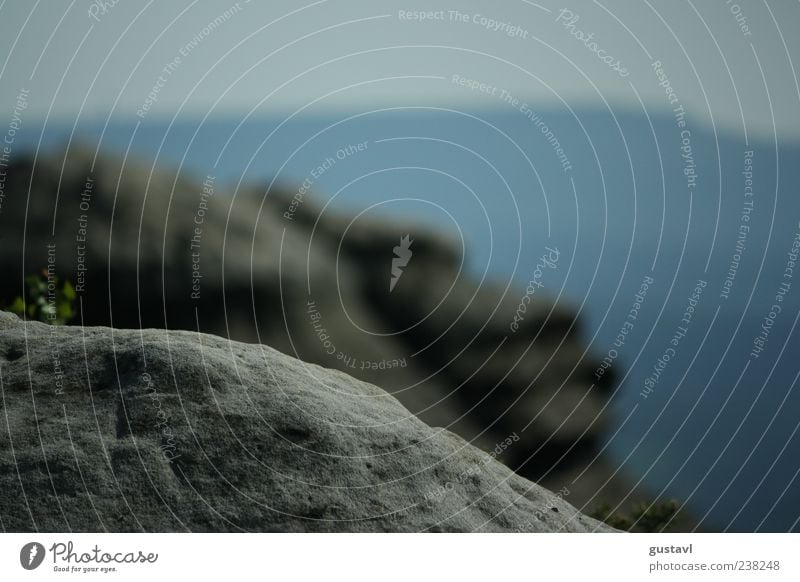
356	54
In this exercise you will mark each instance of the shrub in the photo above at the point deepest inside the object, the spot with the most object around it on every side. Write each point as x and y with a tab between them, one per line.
644	517
46	299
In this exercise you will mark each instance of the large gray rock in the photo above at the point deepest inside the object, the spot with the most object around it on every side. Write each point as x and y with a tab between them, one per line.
154	430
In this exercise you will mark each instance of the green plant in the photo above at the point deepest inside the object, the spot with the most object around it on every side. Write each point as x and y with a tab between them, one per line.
46	299
643	517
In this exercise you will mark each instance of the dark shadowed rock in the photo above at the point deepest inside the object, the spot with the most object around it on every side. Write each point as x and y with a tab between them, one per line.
153	249
170	430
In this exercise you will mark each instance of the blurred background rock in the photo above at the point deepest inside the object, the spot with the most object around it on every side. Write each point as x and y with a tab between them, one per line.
161	251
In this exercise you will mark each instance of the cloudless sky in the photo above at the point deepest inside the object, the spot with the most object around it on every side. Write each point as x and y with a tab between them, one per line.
730	64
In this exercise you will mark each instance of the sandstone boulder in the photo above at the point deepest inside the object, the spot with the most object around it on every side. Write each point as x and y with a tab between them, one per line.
157	430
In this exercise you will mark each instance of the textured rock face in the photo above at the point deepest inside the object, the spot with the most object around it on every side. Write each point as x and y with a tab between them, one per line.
151	430
154	250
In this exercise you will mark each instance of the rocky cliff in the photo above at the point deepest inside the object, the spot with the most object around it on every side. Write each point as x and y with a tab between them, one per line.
150	249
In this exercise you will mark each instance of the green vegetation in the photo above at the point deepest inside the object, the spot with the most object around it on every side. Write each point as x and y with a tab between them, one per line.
46	299
643	517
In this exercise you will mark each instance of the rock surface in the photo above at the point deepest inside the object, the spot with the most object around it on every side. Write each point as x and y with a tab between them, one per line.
153	249
156	430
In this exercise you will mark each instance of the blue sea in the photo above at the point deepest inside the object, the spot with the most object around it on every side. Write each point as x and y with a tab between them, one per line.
707	405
